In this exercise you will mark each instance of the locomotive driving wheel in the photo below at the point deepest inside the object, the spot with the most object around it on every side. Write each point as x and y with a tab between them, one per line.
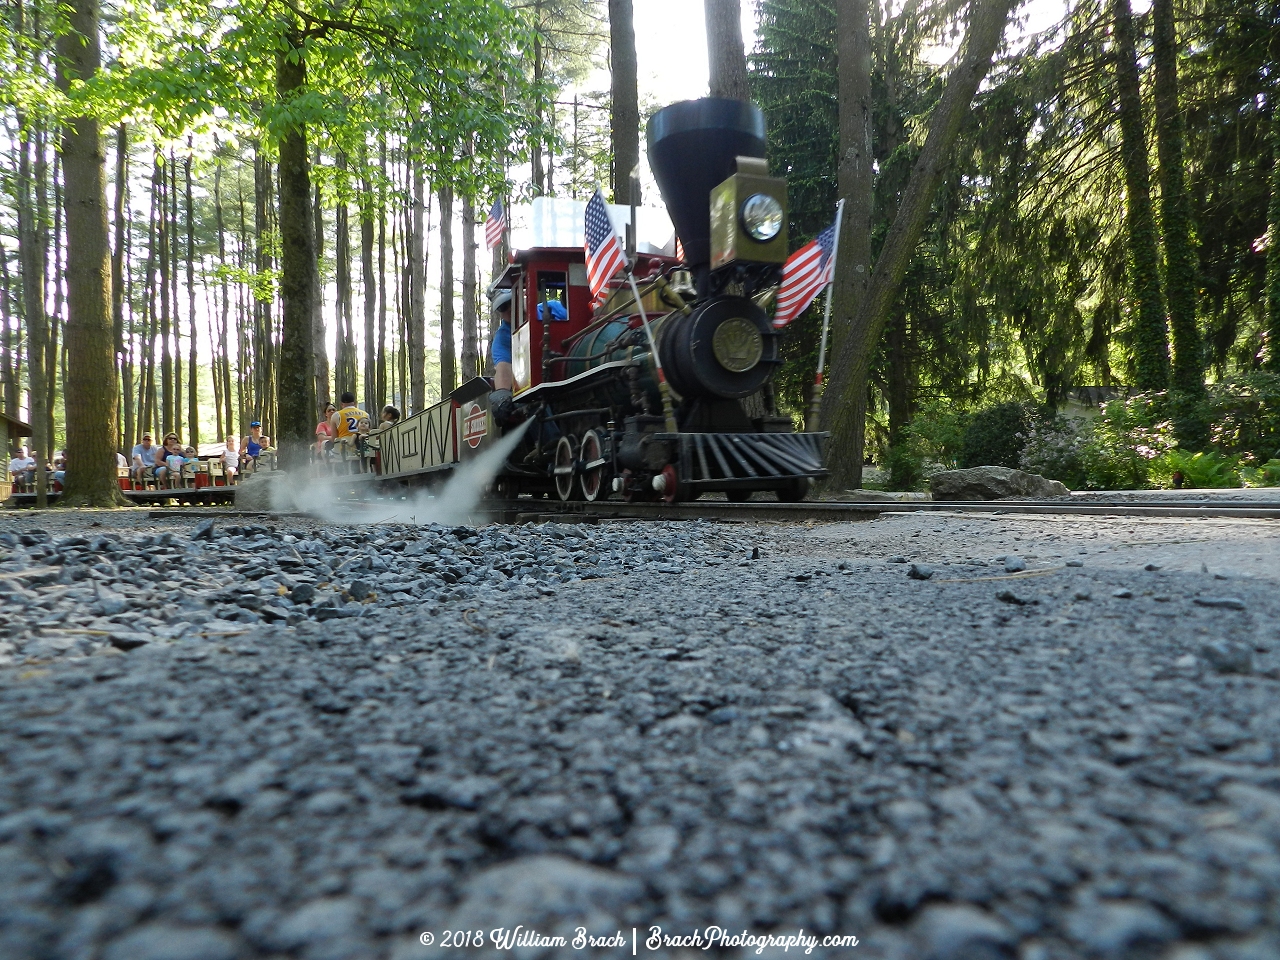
564	466
593	466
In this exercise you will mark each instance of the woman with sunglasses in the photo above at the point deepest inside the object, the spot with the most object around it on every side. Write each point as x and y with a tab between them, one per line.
324	432
165	462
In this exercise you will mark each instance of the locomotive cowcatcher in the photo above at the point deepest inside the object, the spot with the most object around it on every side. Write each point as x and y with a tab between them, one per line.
585	378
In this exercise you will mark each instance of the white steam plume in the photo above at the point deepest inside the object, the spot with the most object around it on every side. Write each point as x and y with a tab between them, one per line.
455	503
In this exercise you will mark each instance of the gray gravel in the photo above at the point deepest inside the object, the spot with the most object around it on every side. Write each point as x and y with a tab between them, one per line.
299	740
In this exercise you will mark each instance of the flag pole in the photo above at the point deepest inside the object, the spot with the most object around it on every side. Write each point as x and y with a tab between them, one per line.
816	404
667	410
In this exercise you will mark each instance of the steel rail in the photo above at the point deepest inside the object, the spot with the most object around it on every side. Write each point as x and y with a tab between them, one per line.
838	511
821	511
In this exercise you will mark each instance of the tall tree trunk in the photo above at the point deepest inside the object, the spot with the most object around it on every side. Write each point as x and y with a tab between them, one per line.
319	335
221	347
844	405
898	391
1273	251
1150	330
118	260
725	55
91	385
1180	268
624	118
400	228
7	351
448	319
174	272
32	255
415	341
147	405
162	256
131	357
372	398
53	358
193	406
470	321
346	374
255	379
535	146
382	276
296	387
244	318
856	185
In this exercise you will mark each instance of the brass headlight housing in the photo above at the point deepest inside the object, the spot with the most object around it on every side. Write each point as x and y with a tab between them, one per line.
761	217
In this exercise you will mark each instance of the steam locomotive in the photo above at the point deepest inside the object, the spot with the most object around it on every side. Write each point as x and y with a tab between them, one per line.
601	422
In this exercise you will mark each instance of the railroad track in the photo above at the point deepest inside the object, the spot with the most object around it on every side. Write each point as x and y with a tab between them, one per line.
837	511
531	510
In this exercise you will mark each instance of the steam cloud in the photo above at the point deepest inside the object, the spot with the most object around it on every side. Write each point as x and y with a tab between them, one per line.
456	503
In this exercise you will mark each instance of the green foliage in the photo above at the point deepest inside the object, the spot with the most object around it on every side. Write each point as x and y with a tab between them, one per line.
1267	475
1119	446
932	441
995	436
1244	414
1206	469
1054	447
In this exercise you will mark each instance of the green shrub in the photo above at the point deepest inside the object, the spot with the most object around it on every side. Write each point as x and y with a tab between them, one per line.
905	466
1244	416
937	432
1054	448
1267	475
1203	470
931	441
995	436
1122	442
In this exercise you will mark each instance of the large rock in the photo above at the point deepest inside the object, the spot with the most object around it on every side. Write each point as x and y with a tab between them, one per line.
266	490
993	483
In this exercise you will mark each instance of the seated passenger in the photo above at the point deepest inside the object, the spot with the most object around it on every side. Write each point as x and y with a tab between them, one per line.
143	467
346	421
389	418
169	459
324	432
231	459
22	467
254	445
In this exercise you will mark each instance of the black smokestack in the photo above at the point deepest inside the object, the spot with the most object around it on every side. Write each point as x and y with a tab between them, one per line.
692	147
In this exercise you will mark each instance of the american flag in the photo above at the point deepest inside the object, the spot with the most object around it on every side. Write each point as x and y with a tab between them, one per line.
804	275
604	252
495	224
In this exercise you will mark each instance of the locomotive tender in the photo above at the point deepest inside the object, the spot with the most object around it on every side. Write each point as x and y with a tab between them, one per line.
585	377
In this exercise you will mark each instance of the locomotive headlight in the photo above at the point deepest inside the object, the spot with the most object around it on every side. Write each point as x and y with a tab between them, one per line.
761	217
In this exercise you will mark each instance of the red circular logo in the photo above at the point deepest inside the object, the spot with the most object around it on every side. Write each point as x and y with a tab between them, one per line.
475	424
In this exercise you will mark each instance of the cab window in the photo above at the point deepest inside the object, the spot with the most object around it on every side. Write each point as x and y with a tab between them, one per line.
553	290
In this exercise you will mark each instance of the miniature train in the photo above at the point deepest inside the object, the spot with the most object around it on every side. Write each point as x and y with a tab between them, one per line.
586	381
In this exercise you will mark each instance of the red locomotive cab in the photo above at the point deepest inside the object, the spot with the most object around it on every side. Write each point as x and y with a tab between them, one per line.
551	305
551	302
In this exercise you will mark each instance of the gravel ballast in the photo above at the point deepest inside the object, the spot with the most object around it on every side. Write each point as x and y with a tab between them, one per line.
948	736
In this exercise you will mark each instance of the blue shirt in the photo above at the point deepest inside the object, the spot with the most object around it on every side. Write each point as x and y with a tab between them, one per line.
500	352
558	312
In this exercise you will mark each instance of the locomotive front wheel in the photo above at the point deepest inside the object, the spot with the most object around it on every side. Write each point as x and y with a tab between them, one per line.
593	464
563	468
795	491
